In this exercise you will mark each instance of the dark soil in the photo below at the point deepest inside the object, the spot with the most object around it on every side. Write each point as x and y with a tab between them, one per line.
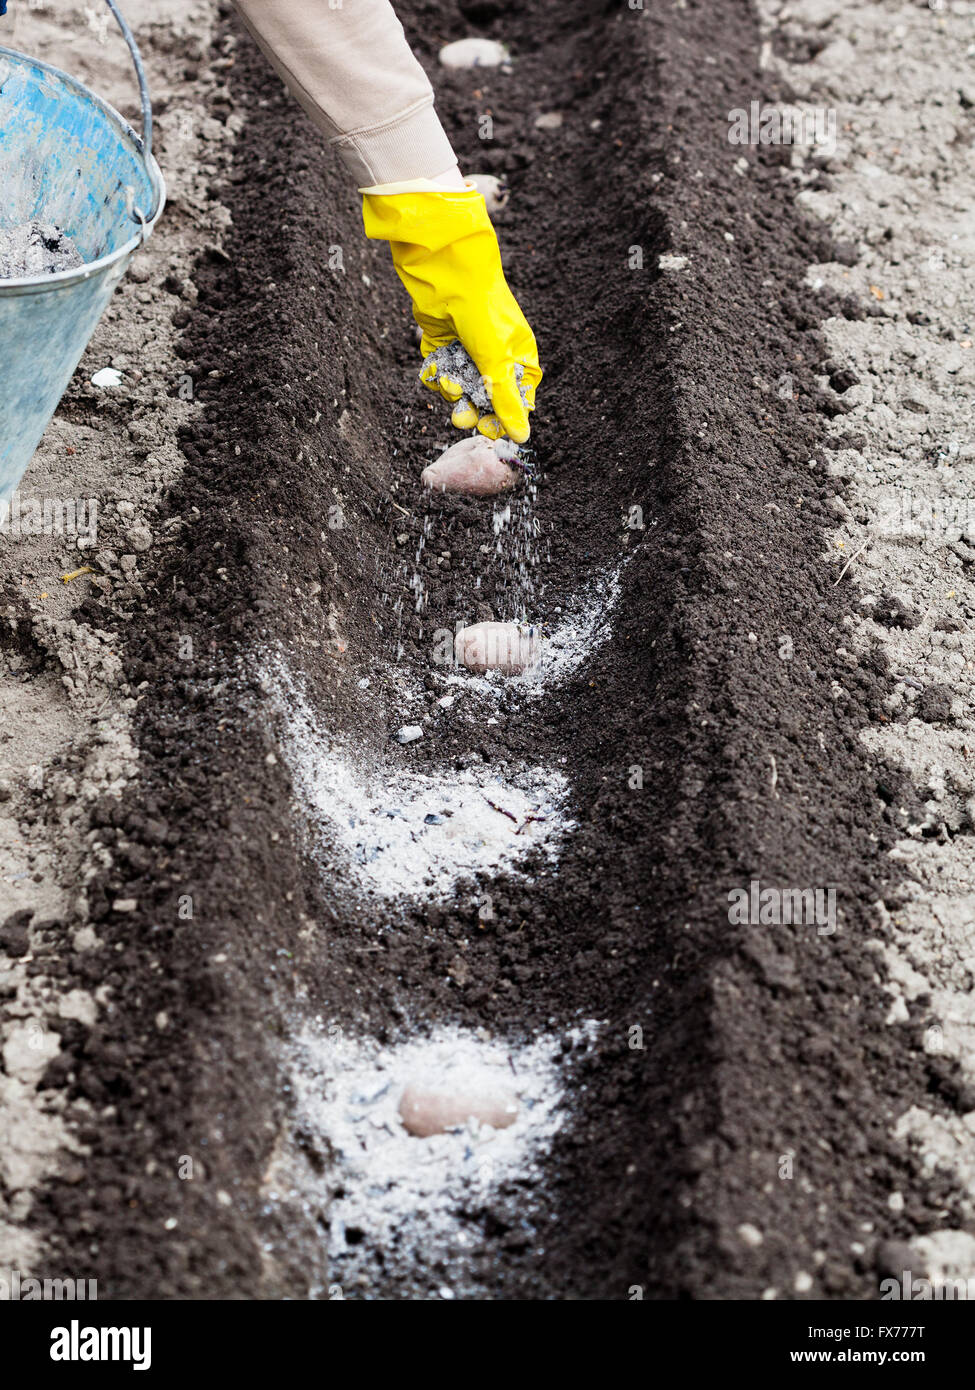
766	1086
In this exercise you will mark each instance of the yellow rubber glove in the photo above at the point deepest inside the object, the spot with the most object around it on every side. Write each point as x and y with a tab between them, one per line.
446	253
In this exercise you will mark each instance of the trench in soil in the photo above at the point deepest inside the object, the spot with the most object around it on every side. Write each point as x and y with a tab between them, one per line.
269	940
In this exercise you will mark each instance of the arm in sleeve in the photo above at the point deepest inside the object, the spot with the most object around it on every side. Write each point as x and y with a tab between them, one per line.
349	65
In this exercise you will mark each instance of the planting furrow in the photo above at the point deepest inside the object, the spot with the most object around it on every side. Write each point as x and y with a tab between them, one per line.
538	891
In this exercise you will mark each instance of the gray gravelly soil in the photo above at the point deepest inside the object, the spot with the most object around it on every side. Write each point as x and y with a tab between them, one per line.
900	184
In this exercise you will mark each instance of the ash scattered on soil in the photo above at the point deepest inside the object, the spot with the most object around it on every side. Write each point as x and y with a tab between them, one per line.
36	248
415	832
399	1207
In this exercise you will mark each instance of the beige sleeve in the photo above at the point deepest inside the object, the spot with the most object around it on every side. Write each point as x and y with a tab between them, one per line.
350	66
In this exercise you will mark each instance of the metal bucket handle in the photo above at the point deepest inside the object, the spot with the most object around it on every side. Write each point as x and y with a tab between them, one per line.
140	73
136	213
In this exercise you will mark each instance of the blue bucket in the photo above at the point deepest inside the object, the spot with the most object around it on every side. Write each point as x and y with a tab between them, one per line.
67	158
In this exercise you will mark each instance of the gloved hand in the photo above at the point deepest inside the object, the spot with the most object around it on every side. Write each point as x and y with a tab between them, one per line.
446	253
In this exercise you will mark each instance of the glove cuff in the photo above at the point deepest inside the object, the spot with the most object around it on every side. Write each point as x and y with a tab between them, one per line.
431	219
386	190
